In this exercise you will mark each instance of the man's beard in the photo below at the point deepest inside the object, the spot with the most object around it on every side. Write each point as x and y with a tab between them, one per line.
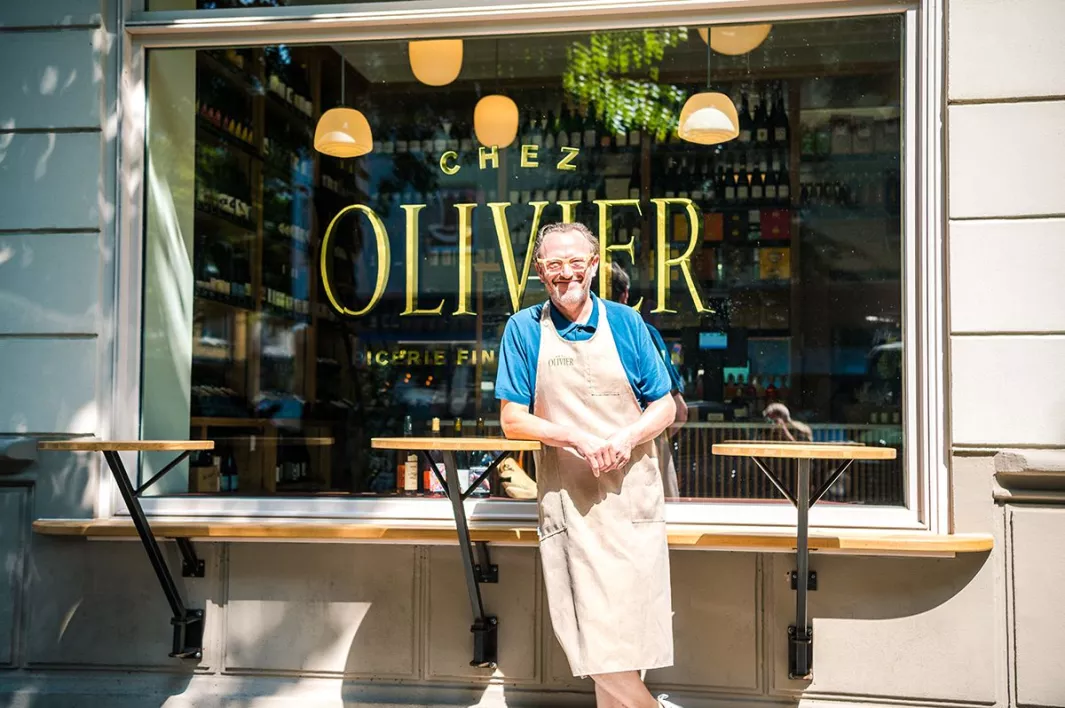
572	297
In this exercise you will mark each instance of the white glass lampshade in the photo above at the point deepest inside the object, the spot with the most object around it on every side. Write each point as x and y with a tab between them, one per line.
436	62
735	39
343	132
495	121
708	119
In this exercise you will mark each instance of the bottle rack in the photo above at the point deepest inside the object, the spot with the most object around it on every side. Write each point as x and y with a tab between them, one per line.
257	306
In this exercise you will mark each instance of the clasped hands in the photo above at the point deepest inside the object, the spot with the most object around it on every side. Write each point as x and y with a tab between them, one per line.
604	455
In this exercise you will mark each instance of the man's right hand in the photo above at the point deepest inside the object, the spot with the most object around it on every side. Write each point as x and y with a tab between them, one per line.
599	453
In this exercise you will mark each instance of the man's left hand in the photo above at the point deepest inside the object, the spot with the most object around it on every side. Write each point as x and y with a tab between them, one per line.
620	446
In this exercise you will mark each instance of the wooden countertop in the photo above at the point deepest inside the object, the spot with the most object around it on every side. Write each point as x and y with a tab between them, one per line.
455	444
817	451
721	538
92	445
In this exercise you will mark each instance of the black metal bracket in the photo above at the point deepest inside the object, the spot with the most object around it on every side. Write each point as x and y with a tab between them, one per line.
485	642
188	624
485	571
188	635
801	633
800	653
811	580
485	628
192	566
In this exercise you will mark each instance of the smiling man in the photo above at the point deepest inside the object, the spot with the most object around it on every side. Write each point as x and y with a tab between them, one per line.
582	376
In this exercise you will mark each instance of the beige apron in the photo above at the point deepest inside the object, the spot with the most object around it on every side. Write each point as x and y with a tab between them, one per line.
602	540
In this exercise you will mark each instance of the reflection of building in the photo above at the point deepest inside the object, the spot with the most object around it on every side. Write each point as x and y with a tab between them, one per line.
178	293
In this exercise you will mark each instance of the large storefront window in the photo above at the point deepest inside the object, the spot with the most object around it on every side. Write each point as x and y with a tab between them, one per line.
298	305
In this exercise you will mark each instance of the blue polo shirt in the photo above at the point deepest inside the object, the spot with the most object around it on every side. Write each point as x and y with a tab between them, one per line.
519	351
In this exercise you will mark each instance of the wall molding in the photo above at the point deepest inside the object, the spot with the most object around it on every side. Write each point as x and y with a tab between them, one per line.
1030	476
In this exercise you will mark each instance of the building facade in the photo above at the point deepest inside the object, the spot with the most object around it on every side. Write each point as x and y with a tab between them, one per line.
874	252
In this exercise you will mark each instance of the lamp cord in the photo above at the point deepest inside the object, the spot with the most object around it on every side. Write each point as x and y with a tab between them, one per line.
708	30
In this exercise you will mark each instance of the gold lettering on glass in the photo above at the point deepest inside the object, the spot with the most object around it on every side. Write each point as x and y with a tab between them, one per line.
515	282
445	167
413	260
606	248
384	259
529	155
486	155
569	154
465	257
664	263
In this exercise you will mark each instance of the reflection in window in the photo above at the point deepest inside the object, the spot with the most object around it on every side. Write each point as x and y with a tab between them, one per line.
797	254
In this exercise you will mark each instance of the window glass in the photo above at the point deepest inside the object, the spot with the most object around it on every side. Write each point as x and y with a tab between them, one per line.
299	305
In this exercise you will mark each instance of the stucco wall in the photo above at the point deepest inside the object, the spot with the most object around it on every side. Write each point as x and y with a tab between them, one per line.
83	623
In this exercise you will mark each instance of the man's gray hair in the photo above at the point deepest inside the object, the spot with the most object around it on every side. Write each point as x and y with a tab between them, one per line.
561	227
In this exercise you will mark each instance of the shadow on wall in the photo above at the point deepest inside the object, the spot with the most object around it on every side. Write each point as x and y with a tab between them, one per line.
876	588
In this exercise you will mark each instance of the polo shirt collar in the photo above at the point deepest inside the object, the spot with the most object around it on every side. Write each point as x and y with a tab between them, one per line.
565	327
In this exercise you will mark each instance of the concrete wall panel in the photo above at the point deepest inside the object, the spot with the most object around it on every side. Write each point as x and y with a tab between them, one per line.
345	609
14	528
997	51
50	80
49	385
1003	274
877	620
54	13
1038	620
49	283
716	601
98	603
1007	390
1006	159
50	180
514	600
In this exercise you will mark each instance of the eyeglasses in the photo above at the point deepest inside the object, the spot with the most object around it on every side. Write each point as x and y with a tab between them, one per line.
554	266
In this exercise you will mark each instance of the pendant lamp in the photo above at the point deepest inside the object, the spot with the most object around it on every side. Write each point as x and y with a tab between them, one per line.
735	39
343	132
708	118
495	117
435	62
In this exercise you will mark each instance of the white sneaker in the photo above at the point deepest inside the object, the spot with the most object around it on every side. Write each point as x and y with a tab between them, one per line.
666	704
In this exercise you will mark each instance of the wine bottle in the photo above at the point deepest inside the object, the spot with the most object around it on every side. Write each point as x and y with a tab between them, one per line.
761	123
562	127
746	122
575	129
757	186
550	131
781	132
588	140
783	187
731	184
743	183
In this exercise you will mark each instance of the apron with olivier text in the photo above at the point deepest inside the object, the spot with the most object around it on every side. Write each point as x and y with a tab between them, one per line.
602	540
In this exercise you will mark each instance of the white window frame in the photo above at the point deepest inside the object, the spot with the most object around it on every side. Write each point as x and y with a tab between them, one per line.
924	295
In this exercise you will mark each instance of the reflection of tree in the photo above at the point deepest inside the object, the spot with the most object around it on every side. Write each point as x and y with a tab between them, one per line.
599	72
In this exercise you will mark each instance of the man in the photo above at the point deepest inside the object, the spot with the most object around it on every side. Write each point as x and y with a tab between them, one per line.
581	376
619	291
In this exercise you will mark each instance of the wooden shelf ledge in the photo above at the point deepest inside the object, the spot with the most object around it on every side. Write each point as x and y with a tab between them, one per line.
720	538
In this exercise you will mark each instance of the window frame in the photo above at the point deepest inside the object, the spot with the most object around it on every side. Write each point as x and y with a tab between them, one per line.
924	291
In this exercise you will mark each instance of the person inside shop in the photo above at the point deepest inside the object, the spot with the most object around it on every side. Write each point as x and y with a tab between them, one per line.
620	284
582	376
